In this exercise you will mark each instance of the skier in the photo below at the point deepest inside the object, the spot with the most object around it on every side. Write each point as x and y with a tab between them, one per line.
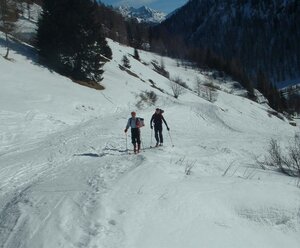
157	119
135	123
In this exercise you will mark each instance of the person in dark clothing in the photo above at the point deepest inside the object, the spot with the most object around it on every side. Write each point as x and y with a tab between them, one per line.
157	119
135	124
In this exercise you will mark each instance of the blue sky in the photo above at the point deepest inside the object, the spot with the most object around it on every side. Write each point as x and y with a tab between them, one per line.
166	6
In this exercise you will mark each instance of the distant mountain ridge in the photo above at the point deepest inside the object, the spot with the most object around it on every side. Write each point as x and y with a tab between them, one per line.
143	14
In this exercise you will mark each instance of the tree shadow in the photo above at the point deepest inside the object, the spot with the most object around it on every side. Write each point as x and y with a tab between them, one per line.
20	48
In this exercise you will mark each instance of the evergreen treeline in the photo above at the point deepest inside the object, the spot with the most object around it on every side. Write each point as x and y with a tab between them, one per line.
173	45
70	39
261	34
236	37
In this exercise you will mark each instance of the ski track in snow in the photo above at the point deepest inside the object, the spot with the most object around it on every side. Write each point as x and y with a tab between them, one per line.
61	158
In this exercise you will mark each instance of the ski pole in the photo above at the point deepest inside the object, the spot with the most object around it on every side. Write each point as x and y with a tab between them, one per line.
171	138
143	146
151	136
126	142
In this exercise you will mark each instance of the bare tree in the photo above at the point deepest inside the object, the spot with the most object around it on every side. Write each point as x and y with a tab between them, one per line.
162	64
198	86
177	88
8	17
206	89
210	91
209	94
179	81
286	160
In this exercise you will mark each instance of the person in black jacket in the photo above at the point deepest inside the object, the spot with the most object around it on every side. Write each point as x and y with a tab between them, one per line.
157	119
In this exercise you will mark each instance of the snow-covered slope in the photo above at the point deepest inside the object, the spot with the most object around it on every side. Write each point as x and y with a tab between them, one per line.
66	180
143	14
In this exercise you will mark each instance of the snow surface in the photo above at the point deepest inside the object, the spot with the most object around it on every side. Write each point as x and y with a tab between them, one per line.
66	180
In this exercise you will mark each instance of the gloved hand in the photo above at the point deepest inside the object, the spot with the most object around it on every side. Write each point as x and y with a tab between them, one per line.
125	130
151	127
168	128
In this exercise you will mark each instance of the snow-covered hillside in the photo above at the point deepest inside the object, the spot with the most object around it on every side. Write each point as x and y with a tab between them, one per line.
66	179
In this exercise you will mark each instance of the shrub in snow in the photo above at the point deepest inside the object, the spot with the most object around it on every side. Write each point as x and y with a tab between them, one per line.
177	89
161	69
179	81
126	62
286	160
189	166
146	98
212	86
210	91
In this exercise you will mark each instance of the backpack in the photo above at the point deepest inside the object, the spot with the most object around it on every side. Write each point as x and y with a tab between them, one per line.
140	122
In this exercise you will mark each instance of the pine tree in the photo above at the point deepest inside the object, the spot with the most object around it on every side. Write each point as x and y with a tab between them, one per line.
69	39
136	54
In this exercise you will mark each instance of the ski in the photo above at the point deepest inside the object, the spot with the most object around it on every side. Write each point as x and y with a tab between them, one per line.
132	152
157	146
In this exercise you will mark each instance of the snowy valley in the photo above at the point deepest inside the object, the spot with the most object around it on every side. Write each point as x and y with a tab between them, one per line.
66	179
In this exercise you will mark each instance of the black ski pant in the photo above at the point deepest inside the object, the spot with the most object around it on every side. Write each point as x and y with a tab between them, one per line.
158	134
135	136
